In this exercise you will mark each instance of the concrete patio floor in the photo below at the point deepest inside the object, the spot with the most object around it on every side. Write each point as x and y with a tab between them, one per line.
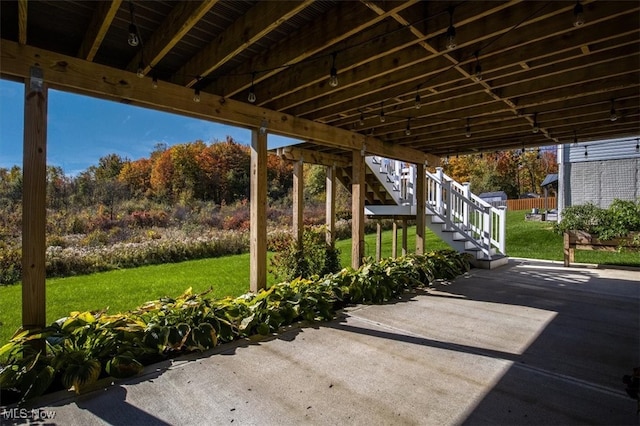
529	343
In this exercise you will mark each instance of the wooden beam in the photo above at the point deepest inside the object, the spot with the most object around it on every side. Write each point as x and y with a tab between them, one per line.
22	21
258	205
259	21
341	22
421	201
292	153
100	23
175	26
298	202
34	195
78	76
357	208
380	40
330	211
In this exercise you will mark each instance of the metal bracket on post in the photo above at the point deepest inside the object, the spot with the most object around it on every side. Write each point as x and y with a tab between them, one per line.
263	127
36	79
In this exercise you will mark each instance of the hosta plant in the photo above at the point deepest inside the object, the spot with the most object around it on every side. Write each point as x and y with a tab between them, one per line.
85	346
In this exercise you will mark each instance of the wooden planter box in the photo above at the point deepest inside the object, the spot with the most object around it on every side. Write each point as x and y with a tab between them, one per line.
580	240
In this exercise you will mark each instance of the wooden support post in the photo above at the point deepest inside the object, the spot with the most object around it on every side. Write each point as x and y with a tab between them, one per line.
331	204
404	237
378	241
569	250
298	202
421	199
258	237
394	242
34	195
357	209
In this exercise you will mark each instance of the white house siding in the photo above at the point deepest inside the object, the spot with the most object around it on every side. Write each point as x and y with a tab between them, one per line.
610	170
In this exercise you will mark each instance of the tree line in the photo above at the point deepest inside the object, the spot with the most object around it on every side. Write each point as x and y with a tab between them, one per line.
194	171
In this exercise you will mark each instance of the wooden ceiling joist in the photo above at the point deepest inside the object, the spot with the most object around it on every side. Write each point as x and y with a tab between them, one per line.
176	25
100	23
263	18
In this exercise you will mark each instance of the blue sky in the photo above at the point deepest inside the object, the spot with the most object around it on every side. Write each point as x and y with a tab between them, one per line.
82	129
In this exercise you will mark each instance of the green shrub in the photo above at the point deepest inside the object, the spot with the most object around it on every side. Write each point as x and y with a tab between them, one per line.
315	257
10	264
621	218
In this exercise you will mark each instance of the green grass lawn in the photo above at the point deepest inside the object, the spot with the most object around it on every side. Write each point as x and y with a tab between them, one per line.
229	276
127	289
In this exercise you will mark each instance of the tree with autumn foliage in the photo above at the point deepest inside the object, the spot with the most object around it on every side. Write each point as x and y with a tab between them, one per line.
514	172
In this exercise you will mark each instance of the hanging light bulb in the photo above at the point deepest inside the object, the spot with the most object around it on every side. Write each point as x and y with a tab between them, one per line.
140	71
468	130
612	115
252	91
477	72
418	104
196	95
133	39
450	40
361	121
575	138
407	131
154	82
538	154
333	76
481	155
382	117
578	15
637	145
536	127
586	154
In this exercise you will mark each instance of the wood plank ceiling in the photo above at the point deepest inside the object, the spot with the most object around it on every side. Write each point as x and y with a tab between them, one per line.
521	73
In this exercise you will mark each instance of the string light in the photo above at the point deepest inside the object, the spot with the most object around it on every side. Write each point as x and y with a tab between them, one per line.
154	82
612	115
637	145
333	75
252	91
575	138
407	131
578	15
586	154
133	39
361	118
196	95
418	104
450	43
477	74
538	153
468	130
382	117
536	127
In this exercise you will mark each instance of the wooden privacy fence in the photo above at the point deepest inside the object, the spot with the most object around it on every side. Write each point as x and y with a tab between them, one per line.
542	203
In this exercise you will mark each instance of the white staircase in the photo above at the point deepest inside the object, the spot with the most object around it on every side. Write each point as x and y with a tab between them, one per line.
457	216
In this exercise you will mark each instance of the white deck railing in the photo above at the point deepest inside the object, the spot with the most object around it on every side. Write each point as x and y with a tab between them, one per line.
459	209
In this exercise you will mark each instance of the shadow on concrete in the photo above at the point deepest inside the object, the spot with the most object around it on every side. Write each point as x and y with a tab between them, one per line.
571	373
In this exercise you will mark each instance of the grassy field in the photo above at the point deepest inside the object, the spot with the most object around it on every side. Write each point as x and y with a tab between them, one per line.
229	276
126	289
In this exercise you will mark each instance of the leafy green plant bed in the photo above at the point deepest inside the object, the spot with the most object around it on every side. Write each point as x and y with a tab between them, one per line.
81	348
